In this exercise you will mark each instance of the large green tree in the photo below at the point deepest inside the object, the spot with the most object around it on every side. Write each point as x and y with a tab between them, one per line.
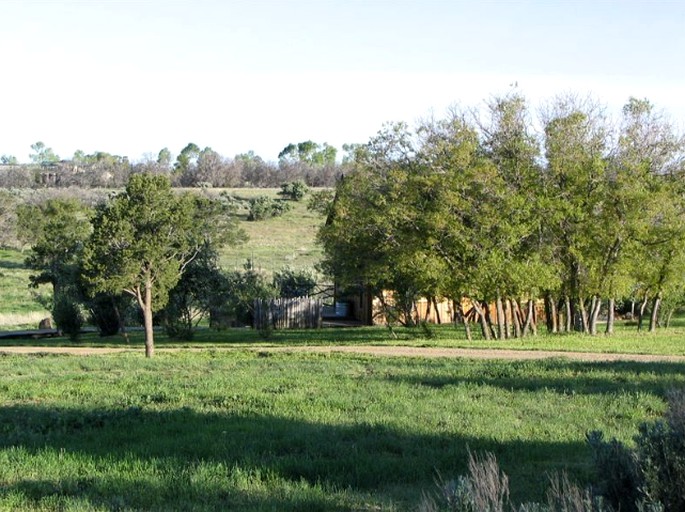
144	238
56	231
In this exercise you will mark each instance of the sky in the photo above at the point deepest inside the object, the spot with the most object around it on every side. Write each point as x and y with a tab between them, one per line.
132	77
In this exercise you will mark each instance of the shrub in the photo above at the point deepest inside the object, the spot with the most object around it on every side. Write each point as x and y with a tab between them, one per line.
107	312
618	476
651	477
66	313
661	455
294	283
263	207
295	190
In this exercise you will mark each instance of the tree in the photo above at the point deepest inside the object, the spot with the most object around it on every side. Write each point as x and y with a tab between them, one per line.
187	158
145	237
294	283
164	158
57	231
43	155
8	160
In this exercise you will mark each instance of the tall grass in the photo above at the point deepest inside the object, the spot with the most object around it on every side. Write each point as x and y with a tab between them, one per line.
250	430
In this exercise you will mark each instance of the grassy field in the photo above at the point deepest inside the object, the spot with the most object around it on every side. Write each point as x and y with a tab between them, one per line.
244	430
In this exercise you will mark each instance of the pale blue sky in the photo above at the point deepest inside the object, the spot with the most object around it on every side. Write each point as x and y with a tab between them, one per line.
131	77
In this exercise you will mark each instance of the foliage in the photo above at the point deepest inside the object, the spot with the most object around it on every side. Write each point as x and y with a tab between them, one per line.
43	155
489	211
201	288
145	237
294	283
57	230
651	476
294	190
8	219
321	202
109	312
264	207
242	289
67	315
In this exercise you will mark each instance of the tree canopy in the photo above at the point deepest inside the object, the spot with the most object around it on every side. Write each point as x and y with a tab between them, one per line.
143	239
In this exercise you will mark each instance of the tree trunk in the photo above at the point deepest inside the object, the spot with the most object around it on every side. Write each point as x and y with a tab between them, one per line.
488	318
429	304
550	314
501	331
516	318
529	320
641	315
669	315
120	319
582	324
147	317
483	320
437	311
569	314
655	312
611	315
461	315
508	313
594	314
533	317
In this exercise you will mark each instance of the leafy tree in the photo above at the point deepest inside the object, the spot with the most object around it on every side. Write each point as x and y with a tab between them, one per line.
42	155
57	231
8	219
164	158
294	283
308	152
8	160
244	287
199	289
144	238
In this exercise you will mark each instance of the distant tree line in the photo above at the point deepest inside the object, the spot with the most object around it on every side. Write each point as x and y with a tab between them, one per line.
312	163
499	212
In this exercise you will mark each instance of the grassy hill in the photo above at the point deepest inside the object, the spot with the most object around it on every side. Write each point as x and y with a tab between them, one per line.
275	243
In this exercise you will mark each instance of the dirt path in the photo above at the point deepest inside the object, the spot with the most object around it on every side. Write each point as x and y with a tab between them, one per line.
385	351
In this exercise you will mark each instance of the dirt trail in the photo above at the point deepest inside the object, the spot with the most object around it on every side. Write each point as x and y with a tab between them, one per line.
385	351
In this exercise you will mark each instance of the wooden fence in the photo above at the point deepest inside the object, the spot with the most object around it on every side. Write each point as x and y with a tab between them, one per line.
295	313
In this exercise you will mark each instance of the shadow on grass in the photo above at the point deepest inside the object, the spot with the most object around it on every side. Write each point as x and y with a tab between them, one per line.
11	265
576	377
168	460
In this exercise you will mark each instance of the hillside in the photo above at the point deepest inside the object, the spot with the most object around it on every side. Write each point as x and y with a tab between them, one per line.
278	242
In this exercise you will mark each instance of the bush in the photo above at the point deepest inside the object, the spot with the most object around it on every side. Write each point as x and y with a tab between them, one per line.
651	477
661	455
294	283
295	190
618	476
66	313
263	207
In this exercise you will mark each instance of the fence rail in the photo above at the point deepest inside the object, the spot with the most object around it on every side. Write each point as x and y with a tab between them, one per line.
288	313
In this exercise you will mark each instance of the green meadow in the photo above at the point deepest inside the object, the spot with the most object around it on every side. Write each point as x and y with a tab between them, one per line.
256	430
